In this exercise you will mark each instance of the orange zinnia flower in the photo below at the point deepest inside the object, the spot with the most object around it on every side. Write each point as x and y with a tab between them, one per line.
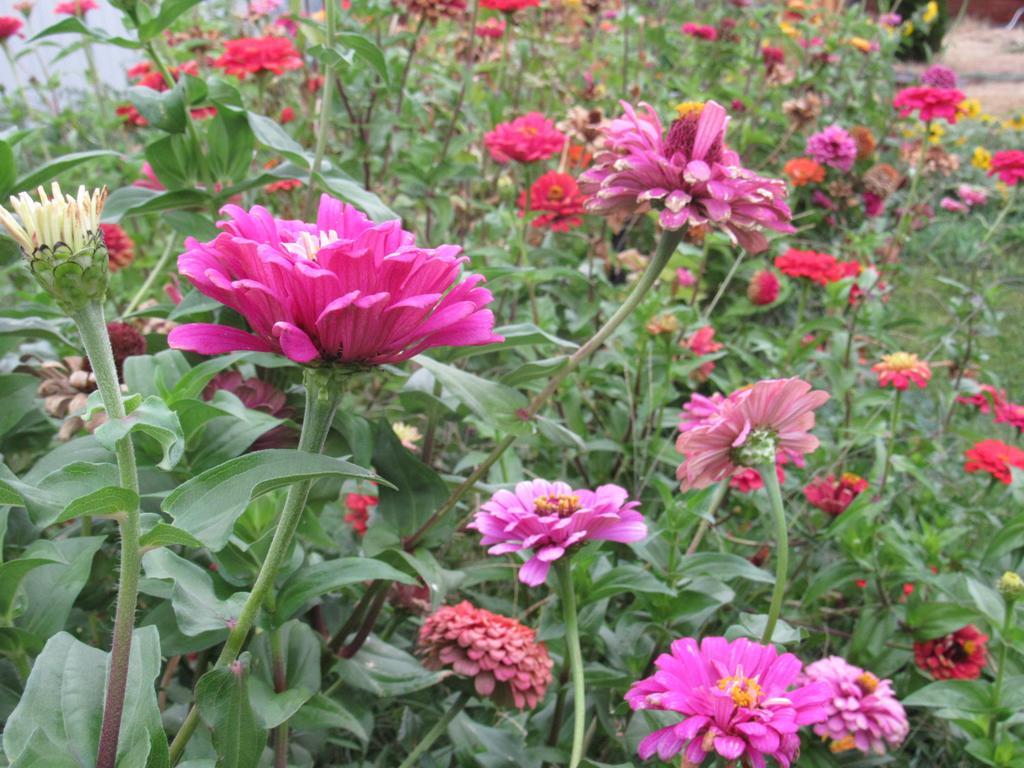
804	170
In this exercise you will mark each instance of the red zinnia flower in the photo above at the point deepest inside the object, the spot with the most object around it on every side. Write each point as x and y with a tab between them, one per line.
1009	164
559	197
834	496
501	655
286	116
929	103
526	139
359	511
702	31
900	368
994	457
509	6
9	27
763	288
959	655
804	170
252	55
120	247
75	7
817	267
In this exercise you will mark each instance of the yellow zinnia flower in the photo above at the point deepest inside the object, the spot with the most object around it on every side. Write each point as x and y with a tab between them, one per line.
982	158
931	12
970	108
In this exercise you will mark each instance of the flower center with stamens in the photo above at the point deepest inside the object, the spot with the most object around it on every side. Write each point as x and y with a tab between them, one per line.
758	449
867	682
561	504
555	192
744	691
900	361
843	745
683	133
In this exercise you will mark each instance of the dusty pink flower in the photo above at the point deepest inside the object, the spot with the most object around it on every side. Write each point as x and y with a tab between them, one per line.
526	139
752	426
985	398
863	711
342	290
953	206
702	342
501	655
688	173
972	195
700	410
548	519
899	369
685	278
833	147
939	76
75	7
735	698
1010	413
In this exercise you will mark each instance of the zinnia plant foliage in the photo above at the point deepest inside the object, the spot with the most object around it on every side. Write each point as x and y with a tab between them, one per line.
405	384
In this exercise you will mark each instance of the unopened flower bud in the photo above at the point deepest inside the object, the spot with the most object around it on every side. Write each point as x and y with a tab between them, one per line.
61	238
1011	585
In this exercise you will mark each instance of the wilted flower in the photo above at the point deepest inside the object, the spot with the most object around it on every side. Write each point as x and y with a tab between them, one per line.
865	141
559	197
60	236
526	139
436	9
763	288
751	427
735	700
863	711
1008	165
994	457
833	495
666	323
256	55
882	179
959	655
834	147
803	110
501	655
687	172
343	290
65	388
899	369
549	518
929	103
258	395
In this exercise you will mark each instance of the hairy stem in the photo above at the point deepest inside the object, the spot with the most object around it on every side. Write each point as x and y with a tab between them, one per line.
771	481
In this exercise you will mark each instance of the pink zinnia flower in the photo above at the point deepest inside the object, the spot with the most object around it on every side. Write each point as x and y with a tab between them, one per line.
1008	165
700	410
972	195
9	27
343	290
899	369
834	147
736	699
702	342
687	172
753	425
833	495
493	27
550	518
1010	413
685	278
873	204
985	398
509	6
929	103
502	656
863	711
75	7
255	55
526	139
953	206
763	288
939	76
701	31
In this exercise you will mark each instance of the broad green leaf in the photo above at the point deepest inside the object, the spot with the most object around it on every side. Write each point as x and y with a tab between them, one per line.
270	134
208	505
366	50
960	695
300	649
170	11
491	402
18	394
105	502
154	419
931	620
753	625
62	707
33	328
51	589
384	670
173	161
8	170
312	581
40	174
11	575
163	109
131	201
75	25
222	696
190	589
46	499
626	579
724	567
321	713
351	191
166	535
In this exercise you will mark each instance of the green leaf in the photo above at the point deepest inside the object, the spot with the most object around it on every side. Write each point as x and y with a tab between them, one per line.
351	191
491	402
321	713
75	25
166	535
196	606
46	499
57	721
208	505
54	168
311	581
132	201
626	579
105	502
384	670
163	109
51	589
222	697
8	169
961	695
300	649
32	328
931	620
272	135
152	418
170	11
231	143
11	575
173	161
18	394
192	384
724	567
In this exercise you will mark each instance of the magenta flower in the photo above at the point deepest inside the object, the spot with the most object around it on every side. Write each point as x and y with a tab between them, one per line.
687	173
863	711
939	76
343	290
833	147
735	698
550	518
526	139
700	410
752	426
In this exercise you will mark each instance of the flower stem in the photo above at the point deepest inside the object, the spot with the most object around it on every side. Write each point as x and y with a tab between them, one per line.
325	110
439	727
154	273
997	692
572	646
93	330
280	672
323	390
894	422
666	247
467	79
771	481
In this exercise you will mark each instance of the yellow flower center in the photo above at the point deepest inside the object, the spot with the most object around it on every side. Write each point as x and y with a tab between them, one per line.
745	691
867	682
851	478
561	504
969	647
842	745
689	108
900	361
555	192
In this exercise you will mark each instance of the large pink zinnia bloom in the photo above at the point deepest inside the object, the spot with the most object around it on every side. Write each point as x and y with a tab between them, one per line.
687	172
863	711
776	412
929	103
550	518
735	699
343	290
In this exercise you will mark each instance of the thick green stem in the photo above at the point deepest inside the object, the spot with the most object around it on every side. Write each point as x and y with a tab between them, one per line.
323	123
771	481
572	648
93	330
432	735
997	692
280	673
666	247
891	442
323	390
